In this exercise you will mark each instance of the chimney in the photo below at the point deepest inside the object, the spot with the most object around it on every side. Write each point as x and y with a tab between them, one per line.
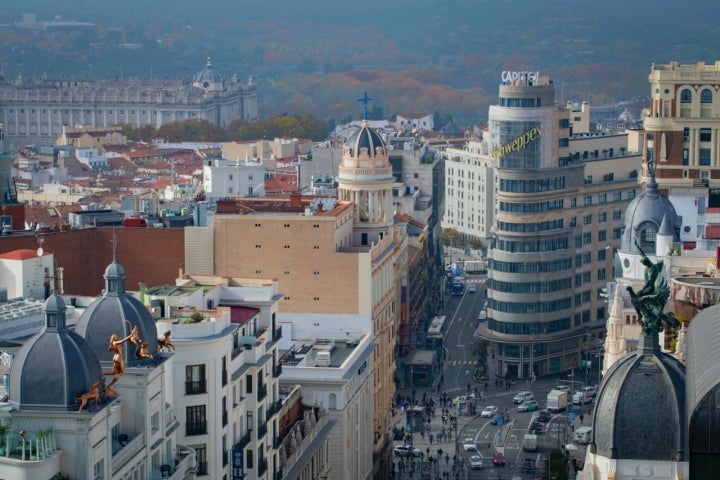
295	200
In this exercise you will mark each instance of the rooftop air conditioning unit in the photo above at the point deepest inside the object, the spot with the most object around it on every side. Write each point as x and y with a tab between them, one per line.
322	359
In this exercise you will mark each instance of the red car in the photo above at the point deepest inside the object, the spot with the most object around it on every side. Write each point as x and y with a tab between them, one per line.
498	459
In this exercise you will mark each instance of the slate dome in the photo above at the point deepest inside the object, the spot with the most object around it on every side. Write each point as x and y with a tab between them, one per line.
54	366
365	138
644	217
640	406
207	77
117	312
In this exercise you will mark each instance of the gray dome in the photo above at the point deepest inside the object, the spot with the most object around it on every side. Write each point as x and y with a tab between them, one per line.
117	312
644	215
207	77
640	407
54	366
366	138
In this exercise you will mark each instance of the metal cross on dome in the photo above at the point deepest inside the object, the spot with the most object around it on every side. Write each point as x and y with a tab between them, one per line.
365	100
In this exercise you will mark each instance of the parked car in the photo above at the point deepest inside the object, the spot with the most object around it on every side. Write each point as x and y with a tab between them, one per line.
489	411
469	445
589	391
528	406
476	462
498	459
523	397
544	416
407	451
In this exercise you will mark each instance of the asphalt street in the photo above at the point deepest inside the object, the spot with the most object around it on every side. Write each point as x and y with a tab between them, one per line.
459	372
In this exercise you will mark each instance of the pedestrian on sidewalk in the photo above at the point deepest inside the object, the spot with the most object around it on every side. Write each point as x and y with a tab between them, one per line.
581	418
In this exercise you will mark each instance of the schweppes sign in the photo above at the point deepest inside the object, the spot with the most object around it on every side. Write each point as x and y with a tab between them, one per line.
517	144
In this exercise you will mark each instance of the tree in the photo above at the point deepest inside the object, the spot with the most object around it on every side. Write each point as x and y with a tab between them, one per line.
451	236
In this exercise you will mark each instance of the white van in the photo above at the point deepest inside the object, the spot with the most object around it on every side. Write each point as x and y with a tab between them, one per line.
523	397
583	435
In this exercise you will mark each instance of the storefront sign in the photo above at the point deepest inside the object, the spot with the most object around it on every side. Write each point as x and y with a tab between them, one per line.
518	143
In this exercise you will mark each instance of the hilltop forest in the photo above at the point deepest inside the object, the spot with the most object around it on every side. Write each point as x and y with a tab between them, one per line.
316	58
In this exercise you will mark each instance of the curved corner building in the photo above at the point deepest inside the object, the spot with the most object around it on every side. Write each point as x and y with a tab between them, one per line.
548	259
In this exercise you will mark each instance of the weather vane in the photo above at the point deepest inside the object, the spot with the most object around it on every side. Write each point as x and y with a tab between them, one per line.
365	100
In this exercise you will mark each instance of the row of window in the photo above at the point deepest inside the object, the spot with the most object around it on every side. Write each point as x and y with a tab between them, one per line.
686	96
532	267
530	287
530	227
529	328
532	186
528	308
532	207
520	102
66	111
551	245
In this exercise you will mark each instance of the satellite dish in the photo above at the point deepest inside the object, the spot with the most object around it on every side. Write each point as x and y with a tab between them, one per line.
40	252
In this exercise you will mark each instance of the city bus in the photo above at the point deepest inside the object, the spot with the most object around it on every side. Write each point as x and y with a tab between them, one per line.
458	287
435	333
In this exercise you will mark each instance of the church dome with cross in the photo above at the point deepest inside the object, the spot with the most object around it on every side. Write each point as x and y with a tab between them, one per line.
119	313
365	178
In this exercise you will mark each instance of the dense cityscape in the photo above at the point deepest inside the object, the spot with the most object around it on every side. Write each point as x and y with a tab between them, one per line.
531	297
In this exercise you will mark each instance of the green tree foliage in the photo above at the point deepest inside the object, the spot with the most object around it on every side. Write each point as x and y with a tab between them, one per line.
451	236
192	130
296	126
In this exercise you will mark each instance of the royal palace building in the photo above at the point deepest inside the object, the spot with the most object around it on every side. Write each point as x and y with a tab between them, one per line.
34	111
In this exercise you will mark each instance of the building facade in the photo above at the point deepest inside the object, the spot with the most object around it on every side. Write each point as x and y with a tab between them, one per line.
35	111
558	214
682	135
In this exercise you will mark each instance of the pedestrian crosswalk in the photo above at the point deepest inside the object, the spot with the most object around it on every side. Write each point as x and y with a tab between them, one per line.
462	362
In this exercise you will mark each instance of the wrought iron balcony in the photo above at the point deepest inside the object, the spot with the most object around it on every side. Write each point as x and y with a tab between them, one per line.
244	440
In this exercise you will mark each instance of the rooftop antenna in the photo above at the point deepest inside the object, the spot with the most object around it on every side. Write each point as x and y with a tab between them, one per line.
365	100
114	242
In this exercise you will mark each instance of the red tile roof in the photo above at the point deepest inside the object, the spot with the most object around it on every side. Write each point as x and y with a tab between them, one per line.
24	254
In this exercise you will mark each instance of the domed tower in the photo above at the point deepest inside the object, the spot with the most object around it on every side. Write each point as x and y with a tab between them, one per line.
208	79
118	313
644	217
365	178
55	366
639	427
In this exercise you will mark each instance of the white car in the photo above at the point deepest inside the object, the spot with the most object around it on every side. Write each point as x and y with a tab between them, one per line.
489	411
476	462
523	397
472	289
469	445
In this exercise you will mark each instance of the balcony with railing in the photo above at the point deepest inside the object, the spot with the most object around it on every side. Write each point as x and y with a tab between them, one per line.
224	418
244	440
177	467
195	387
262	429
24	451
224	377
262	393
278	475
277	334
196	428
277	370
262	466
274	407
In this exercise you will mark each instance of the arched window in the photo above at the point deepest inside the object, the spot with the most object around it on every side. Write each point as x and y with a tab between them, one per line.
706	96
686	96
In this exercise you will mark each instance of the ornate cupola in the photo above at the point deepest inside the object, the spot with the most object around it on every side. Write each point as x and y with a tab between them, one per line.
365	178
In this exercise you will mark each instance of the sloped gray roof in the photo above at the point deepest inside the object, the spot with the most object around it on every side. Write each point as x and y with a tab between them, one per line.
54	366
117	312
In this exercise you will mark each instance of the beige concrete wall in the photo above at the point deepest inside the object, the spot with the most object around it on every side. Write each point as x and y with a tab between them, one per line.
297	250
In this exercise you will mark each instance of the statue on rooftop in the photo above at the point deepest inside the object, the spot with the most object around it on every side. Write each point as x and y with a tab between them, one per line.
650	300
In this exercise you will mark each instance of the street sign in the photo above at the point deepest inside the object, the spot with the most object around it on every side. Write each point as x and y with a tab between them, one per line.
500	422
571	416
237	464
